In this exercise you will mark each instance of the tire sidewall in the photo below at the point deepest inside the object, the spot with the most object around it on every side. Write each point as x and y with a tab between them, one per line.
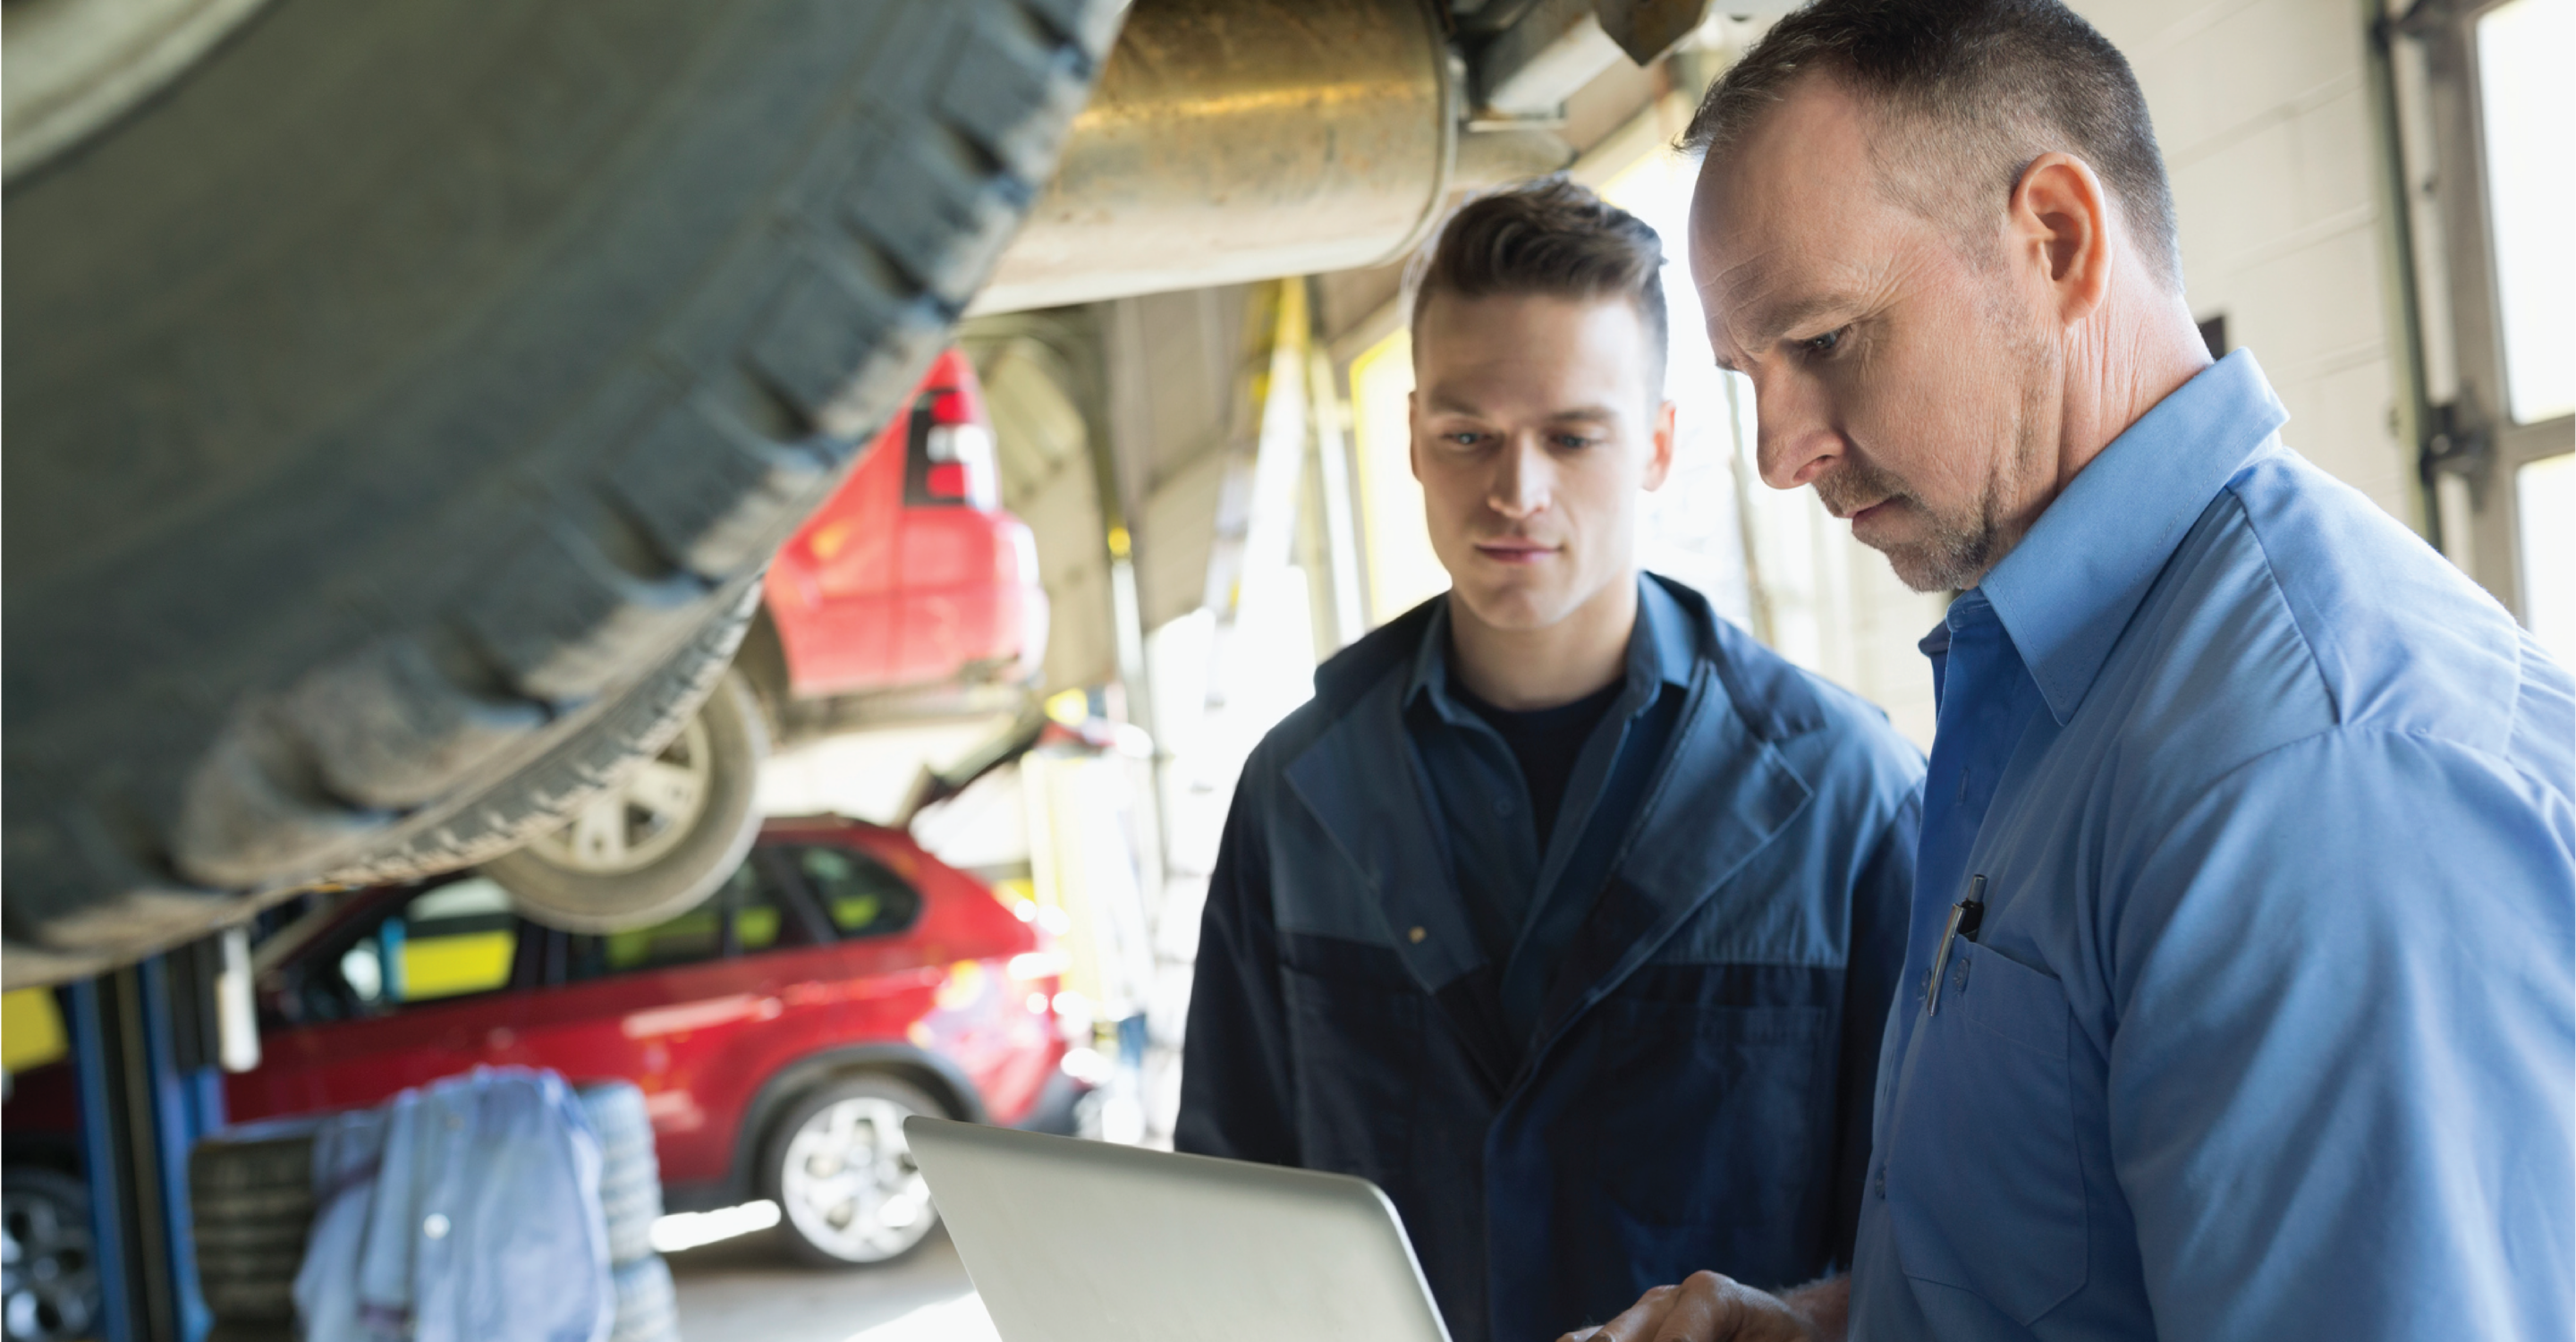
773	1157
719	838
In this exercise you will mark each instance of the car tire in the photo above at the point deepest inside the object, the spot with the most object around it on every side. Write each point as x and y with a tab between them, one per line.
252	1205
626	733
630	1174
657	842
397	386
648	1302
51	1291
831	1219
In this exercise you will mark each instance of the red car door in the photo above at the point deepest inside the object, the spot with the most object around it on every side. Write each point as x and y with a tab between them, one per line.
696	1011
412	991
835	587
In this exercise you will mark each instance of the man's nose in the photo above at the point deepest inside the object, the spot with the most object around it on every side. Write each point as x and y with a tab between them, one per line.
1524	477
1794	439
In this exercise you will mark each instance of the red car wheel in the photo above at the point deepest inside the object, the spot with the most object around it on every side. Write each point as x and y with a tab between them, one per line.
843	1176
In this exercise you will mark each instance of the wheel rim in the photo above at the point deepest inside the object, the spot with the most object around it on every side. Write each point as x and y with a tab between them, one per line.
78	64
51	1287
849	1184
635	823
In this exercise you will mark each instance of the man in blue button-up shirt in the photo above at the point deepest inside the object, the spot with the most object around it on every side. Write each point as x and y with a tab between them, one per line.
2239	998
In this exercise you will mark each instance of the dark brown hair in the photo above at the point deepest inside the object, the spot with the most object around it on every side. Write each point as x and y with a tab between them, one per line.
1984	85
1550	236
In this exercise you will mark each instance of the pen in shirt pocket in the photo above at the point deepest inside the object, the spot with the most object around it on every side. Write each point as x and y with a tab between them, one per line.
1964	919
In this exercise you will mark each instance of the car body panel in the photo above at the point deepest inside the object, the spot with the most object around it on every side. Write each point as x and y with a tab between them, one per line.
911	573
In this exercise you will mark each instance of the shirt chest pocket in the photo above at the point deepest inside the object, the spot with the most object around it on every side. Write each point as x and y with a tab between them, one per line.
1985	1184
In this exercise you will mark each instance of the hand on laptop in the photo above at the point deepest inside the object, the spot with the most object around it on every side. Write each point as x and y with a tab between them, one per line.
1711	1308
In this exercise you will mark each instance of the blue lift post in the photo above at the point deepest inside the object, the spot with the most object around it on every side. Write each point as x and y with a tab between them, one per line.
148	1090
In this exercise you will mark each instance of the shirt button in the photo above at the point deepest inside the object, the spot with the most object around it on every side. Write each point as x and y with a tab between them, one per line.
1959	977
1880	1183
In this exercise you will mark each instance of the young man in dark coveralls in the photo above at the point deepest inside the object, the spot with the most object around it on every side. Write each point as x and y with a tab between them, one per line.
1565	912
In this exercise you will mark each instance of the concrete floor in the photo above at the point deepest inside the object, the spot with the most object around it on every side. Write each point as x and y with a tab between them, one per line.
746	1289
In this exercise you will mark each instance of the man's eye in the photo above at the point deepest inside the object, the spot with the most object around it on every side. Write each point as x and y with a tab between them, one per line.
1462	438
1826	343
1572	442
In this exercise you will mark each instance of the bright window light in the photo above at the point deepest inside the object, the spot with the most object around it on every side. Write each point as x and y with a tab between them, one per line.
2545	491
2529	106
1403	571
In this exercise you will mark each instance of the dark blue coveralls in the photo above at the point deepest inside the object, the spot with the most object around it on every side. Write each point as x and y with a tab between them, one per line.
1696	1092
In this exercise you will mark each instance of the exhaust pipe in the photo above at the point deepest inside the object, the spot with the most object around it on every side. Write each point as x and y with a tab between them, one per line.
1236	140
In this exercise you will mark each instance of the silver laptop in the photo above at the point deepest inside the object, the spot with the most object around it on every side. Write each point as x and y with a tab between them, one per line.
1072	1241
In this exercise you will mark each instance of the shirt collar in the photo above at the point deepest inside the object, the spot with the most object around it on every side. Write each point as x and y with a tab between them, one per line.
1659	653
2067	591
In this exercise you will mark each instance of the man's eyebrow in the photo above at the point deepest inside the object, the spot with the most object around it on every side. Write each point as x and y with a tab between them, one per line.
1772	322
1435	402
1438	402
1583	414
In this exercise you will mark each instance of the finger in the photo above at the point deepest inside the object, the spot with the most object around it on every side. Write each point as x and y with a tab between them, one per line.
1638	1321
1704	1309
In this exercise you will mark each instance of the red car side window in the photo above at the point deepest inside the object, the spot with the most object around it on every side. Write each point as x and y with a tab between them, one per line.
858	893
456	938
747	915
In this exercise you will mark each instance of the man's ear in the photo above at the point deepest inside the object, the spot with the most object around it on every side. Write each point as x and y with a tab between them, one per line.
2059	224
1659	467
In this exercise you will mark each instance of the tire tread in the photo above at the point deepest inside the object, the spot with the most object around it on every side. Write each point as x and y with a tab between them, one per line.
357	769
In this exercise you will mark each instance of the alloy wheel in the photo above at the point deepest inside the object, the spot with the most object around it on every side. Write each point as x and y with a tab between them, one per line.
634	823
848	1183
48	1278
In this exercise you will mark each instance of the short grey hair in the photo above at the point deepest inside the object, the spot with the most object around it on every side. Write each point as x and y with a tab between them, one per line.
1993	84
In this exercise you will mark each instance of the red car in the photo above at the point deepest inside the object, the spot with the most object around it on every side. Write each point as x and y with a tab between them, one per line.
782	1030
911	573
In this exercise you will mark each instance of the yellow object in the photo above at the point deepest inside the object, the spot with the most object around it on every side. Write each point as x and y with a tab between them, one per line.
964	984
1014	891
1403	569
756	928
1070	707
451	966
829	539
1120	545
851	913
31	1030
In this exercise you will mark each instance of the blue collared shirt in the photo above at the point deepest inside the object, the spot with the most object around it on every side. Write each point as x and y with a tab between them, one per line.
1527	902
2269	1030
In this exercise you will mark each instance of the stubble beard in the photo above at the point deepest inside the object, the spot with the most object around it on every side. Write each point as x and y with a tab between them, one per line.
1956	549
1961	547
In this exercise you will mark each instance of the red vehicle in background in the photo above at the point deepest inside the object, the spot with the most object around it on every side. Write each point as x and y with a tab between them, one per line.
840	981
912	574
909	588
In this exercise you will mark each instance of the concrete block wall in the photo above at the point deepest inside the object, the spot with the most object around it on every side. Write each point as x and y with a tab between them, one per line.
2262	110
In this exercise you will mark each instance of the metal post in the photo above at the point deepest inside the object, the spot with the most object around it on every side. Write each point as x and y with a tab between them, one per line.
95	1070
146	1096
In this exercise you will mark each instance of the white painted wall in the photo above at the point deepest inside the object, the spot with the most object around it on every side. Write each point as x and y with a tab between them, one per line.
2262	111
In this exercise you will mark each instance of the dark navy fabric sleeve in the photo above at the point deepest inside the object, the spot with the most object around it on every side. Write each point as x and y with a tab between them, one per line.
1236	1099
1881	897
